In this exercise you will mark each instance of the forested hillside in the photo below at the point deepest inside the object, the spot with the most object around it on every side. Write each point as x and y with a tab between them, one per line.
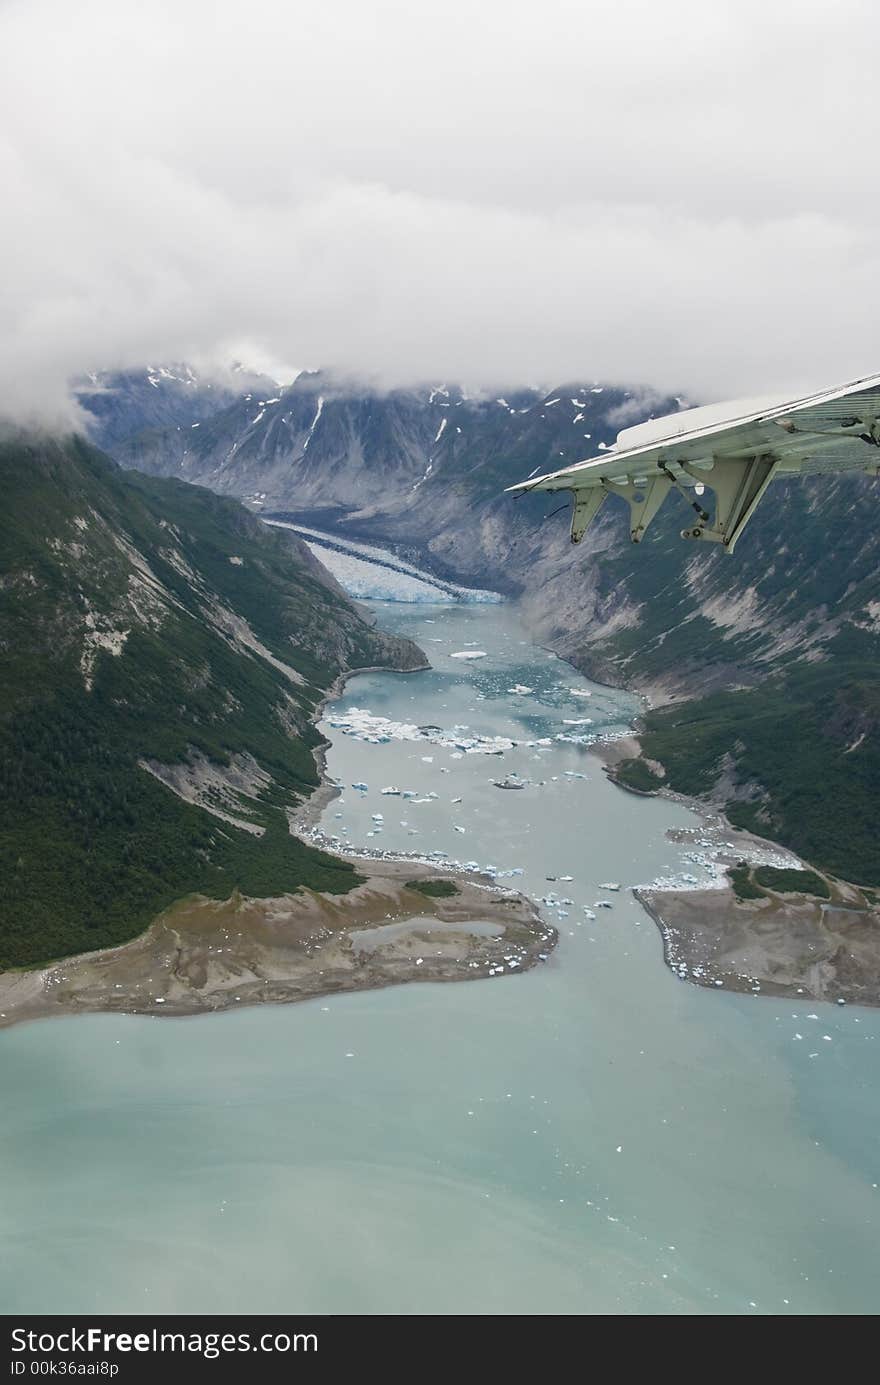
163	653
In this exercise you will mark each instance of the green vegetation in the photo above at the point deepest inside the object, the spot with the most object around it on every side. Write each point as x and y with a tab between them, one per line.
741	882
434	889
802	751
184	585
751	883
777	650
792	881
635	774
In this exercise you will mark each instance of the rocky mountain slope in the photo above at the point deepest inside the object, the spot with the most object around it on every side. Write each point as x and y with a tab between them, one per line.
163	654
786	633
122	404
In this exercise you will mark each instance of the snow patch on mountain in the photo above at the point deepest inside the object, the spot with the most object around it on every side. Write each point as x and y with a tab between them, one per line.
318	412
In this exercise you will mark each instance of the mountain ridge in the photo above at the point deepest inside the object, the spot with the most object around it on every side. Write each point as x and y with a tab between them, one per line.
799	600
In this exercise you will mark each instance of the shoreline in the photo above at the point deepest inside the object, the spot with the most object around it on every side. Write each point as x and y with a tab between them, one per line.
202	955
712	938
788	945
793	944
311	809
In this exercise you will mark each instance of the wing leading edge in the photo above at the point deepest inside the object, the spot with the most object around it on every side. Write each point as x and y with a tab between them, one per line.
734	450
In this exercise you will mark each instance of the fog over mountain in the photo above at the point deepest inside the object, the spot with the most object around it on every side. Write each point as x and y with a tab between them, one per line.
497	193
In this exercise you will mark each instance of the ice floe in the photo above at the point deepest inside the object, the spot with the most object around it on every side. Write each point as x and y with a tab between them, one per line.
362	725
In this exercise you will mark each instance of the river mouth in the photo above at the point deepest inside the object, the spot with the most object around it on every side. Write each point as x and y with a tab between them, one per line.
590	1136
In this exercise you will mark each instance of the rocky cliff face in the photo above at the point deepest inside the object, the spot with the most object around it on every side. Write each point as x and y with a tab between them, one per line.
125	404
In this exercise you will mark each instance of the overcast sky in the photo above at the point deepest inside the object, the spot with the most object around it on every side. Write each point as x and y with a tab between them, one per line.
678	194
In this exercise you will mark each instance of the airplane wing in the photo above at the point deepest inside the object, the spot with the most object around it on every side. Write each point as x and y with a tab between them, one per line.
734	449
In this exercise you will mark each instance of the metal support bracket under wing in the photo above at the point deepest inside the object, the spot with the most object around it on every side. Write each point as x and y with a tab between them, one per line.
738	486
587	504
644	501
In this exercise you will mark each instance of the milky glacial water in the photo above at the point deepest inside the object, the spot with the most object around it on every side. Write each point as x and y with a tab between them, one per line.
593	1136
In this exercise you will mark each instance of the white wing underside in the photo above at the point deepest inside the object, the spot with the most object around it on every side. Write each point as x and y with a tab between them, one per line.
733	450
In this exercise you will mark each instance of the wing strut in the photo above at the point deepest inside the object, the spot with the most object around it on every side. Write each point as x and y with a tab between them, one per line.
738	486
645	499
587	504
694	504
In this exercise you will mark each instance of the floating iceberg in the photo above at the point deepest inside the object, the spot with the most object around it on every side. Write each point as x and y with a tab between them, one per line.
362	725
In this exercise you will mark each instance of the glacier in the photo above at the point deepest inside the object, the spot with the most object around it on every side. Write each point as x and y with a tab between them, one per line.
369	573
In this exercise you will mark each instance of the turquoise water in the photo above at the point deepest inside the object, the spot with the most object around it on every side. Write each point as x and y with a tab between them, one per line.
593	1136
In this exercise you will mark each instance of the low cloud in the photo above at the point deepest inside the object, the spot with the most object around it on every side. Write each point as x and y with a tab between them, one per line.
677	196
